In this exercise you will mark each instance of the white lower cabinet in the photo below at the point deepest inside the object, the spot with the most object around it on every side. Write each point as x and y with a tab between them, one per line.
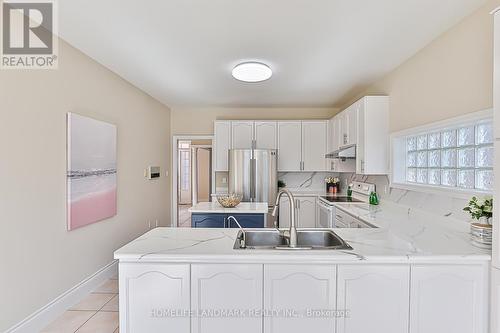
147	291
449	298
218	287
375	296
306	212
291	290
297	298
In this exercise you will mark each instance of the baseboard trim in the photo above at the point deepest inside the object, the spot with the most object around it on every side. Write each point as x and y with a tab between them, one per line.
47	314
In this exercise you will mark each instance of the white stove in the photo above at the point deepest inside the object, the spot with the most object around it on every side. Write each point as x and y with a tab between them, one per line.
331	217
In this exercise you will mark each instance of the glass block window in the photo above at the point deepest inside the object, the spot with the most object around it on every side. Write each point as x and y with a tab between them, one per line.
460	157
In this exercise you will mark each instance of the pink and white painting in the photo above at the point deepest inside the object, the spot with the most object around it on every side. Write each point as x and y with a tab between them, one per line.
91	171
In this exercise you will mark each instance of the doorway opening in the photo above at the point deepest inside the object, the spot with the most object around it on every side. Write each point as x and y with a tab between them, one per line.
192	177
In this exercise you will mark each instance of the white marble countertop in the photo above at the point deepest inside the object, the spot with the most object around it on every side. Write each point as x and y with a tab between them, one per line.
242	208
404	236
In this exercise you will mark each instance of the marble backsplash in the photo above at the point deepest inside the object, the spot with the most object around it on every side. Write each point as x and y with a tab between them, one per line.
310	181
438	204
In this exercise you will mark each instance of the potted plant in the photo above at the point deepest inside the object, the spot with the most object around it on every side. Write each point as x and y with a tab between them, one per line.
281	184
332	184
481	209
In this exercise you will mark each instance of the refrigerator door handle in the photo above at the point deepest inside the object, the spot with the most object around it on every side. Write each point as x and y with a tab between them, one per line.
253	167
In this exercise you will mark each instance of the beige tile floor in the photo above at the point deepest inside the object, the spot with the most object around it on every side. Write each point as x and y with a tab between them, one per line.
96	313
184	216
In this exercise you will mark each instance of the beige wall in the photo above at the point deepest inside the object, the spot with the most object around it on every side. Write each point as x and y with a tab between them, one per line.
451	76
40	259
199	121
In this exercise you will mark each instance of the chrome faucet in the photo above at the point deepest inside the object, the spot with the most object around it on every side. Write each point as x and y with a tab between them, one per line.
293	230
243	241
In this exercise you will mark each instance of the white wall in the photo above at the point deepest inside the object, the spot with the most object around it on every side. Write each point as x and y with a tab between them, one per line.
40	259
451	76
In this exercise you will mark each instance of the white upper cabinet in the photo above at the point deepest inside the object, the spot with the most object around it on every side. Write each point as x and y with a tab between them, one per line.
222	144
314	145
352	124
334	133
266	135
289	146
449	298
225	287
242	134
376	297
299	288
372	153
301	145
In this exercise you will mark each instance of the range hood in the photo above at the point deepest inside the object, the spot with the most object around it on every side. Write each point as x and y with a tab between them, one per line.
343	152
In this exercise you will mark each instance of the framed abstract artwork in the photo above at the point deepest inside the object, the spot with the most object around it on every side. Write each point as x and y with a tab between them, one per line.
91	170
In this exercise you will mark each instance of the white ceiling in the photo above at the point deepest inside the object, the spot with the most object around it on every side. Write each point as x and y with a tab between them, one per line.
182	51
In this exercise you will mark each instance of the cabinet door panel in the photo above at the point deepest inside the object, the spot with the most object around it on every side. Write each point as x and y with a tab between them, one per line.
266	135
148	289
376	296
352	124
289	146
242	134
222	144
247	221
306	212
298	288
208	220
314	145
226	287
449	298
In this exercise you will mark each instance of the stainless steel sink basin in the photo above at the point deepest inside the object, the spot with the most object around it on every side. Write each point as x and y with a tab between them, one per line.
307	239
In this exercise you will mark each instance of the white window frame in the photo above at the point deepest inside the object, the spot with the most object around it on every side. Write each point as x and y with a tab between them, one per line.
398	153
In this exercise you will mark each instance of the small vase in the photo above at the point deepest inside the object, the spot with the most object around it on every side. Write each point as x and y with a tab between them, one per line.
484	220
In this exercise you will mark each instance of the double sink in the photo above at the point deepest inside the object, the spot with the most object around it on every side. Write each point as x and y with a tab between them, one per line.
307	239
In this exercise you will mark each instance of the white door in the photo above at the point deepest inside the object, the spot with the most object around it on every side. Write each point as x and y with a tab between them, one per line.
449	298
306	212
376	296
284	213
289	145
222	144
184	176
297	288
314	144
266	135
148	289
226	287
242	134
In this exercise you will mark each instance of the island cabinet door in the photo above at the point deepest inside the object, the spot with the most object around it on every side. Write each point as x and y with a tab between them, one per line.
299	298
154	298
449	298
208	220
375	298
226	298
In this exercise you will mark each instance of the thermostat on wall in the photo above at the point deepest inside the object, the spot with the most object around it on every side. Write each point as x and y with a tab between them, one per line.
153	172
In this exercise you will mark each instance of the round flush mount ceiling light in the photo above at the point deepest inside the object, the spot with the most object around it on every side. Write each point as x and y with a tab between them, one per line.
252	72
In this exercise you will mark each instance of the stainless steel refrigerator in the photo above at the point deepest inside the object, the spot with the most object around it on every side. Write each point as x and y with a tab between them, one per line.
253	173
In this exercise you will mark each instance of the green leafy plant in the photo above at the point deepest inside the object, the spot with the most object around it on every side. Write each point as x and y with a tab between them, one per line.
478	208
281	183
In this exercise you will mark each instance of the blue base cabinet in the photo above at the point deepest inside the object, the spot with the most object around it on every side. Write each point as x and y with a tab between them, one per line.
208	220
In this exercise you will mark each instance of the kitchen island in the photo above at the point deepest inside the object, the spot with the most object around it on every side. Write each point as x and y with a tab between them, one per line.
214	215
415	273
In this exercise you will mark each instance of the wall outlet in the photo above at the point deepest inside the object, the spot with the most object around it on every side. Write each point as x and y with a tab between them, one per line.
224	180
